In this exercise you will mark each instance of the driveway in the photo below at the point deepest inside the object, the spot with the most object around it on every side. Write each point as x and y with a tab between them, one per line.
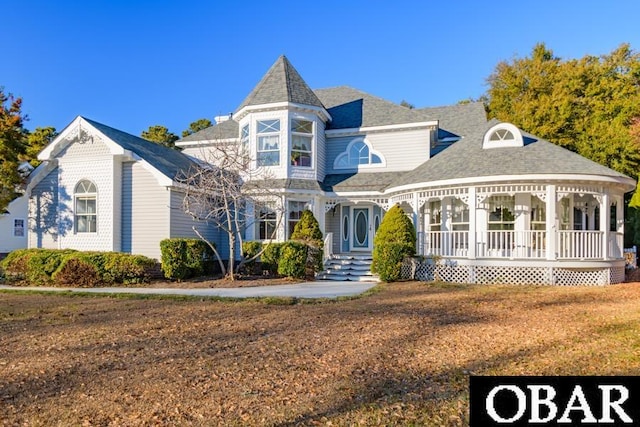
299	290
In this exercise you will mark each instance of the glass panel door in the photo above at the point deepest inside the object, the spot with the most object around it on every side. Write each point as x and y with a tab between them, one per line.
361	229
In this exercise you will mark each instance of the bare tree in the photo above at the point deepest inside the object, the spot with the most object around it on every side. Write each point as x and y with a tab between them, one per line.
224	190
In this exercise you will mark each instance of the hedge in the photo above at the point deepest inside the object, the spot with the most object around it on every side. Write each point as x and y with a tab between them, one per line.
270	257
185	258
250	250
74	268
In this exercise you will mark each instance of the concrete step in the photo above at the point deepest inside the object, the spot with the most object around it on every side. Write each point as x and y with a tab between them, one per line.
345	278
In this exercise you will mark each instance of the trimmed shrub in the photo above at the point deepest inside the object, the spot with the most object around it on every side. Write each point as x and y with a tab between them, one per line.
69	267
127	269
78	270
42	264
293	260
270	257
33	265
249	250
394	240
307	230
184	258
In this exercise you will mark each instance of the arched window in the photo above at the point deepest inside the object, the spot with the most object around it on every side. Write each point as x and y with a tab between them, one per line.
85	195
358	153
503	135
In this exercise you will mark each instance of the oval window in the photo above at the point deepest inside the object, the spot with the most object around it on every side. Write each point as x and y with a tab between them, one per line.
376	223
345	227
361	228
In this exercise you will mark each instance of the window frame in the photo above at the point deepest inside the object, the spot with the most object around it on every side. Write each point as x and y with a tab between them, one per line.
538	216
309	136
500	203
459	210
23	228
262	155
339	163
90	218
291	222
266	220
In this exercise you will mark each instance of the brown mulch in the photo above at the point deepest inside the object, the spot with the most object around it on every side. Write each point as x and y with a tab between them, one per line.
401	356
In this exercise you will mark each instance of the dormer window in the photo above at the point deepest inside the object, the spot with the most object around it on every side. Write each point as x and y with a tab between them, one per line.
301	143
358	153
268	152
503	135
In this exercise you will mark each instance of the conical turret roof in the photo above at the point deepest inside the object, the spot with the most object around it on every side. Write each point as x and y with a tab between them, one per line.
282	83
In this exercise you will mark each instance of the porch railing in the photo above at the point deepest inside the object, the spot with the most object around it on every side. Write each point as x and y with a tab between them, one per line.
570	244
580	244
327	249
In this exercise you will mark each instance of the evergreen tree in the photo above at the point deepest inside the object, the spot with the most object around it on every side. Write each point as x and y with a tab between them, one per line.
161	135
394	240
12	147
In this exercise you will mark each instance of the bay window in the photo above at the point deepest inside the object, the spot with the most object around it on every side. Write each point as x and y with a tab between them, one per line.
301	143
268	153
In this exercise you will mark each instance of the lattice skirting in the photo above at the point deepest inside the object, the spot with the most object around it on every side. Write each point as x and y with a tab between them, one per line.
482	274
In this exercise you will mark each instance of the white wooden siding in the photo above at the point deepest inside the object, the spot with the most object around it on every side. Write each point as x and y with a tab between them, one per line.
332	225
43	213
145	211
17	209
181	225
401	150
91	160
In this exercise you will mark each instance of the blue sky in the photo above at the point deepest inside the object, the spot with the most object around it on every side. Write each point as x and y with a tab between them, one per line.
131	64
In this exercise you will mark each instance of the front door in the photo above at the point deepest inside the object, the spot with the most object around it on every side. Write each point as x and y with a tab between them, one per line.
361	229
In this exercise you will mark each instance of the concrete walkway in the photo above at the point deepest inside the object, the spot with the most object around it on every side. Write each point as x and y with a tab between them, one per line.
299	290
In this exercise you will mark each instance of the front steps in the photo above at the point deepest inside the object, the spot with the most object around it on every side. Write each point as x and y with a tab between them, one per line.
351	267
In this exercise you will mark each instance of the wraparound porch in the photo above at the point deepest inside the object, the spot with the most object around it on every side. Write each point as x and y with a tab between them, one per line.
559	245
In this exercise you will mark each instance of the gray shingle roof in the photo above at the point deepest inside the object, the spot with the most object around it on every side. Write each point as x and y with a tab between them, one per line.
224	130
282	83
168	161
459	119
359	181
467	159
351	108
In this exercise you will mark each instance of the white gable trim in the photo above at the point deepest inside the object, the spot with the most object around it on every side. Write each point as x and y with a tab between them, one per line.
324	114
80	130
335	133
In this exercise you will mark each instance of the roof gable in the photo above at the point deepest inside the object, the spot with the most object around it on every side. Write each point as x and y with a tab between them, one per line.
282	83
166	161
351	108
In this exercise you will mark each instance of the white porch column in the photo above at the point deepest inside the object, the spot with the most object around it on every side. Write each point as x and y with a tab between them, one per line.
550	221
620	214
605	220
522	222
416	211
319	213
472	222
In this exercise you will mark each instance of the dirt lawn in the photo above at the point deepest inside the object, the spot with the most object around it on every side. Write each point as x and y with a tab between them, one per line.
401	356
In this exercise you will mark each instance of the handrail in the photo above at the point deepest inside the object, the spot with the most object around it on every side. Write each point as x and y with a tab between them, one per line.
327	250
